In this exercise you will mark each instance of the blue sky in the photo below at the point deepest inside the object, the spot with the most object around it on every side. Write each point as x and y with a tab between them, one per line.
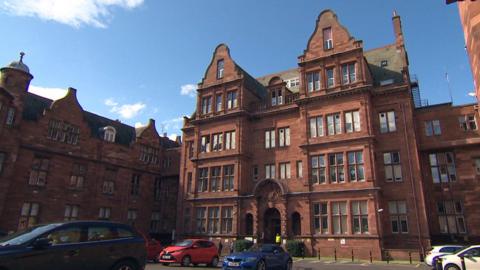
130	59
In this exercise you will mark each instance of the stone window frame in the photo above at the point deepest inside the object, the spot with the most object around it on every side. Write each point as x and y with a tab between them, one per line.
336	167
432	128
388	121
213	220
39	171
352	121
104	213
201	220
71	212
202	182
357	163
339	215
468	122
232	100
77	176
359	216
283	136
319	169
270	138
321	214
349	77
217	142
132	215
455	213
29	215
215	178
205	144
135	184
227	220
230	140
285	170
314	81
327	34
220	69
206	104
317	126
398	216
443	164
394	165
109	134
228	183
334	123
276	97
330	80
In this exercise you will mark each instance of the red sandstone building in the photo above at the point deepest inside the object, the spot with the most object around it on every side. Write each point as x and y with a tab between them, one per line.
470	16
60	162
333	152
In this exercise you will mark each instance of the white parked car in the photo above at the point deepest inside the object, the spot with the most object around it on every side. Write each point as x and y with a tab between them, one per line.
471	256
438	251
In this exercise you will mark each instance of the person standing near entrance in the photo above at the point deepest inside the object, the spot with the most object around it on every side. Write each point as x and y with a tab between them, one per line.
278	239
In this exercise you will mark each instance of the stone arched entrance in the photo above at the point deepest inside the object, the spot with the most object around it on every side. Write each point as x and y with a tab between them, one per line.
271	225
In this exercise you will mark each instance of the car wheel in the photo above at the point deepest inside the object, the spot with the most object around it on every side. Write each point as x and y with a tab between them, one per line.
214	262
261	265
451	267
186	261
289	265
125	265
166	264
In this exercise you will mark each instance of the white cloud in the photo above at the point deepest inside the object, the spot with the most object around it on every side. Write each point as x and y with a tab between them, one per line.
139	124
48	92
172	124
472	94
188	90
172	136
75	13
126	111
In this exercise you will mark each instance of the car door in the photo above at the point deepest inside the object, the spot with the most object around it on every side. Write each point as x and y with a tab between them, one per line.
195	252
102	244
202	251
63	251
270	257
472	258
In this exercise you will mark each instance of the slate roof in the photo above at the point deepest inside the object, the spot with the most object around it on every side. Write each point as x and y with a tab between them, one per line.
284	75
35	105
252	84
393	70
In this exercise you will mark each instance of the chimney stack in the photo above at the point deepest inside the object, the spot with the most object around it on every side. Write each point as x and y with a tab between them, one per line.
397	28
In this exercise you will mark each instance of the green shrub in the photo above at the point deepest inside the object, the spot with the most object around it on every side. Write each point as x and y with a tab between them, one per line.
295	248
241	245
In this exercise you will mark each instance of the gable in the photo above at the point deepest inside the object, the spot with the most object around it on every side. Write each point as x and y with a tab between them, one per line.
341	39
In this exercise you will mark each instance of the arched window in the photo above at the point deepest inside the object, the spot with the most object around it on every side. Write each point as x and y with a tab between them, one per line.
109	133
249	224
296	224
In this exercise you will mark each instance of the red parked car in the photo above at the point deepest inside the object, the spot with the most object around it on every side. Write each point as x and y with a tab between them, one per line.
153	249
190	251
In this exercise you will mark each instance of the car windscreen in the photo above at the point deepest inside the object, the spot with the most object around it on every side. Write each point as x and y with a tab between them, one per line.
22	237
185	243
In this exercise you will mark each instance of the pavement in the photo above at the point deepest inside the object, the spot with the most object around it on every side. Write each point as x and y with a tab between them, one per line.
313	264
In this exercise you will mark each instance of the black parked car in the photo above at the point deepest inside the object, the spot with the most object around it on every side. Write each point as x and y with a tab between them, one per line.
74	245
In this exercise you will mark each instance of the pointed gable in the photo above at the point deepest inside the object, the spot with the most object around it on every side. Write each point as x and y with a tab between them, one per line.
231	71
329	37
221	59
148	134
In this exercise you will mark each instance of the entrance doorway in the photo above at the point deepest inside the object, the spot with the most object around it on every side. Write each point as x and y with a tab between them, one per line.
271	225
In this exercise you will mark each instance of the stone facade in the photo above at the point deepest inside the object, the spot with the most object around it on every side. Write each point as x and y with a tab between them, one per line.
59	162
470	17
330	153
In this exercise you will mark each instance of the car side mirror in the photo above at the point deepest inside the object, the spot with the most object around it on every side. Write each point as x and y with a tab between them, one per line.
41	243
